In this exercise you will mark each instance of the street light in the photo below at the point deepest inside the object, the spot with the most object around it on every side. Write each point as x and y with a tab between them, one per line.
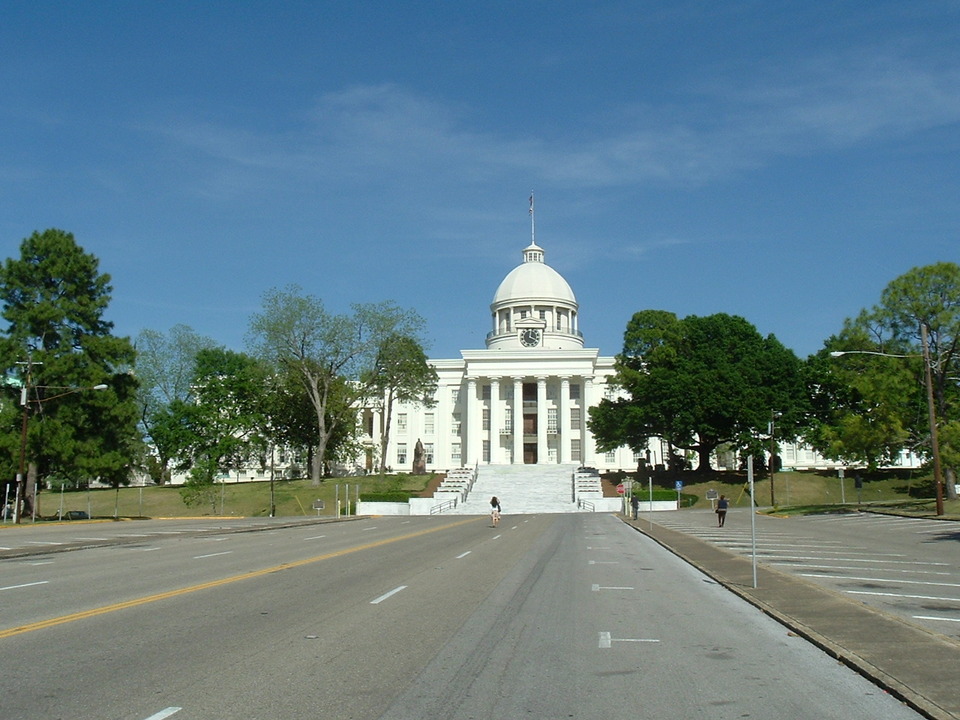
931	407
773	447
24	402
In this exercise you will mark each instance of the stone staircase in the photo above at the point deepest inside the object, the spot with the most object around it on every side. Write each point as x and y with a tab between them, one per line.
522	490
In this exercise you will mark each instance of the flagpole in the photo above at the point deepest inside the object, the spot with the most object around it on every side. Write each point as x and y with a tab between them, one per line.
533	228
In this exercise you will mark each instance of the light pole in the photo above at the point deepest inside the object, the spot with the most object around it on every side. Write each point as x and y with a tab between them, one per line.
773	446
24	402
931	406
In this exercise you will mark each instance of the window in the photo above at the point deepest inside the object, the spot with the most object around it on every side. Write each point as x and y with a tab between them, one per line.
455	424
574	391
486	418
486	451
401	453
401	422
455	453
455	395
552	420
428	424
485	392
574	418
575	450
508	420
610	457
428	453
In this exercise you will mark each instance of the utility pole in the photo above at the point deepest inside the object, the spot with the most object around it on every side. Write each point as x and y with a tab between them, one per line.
932	413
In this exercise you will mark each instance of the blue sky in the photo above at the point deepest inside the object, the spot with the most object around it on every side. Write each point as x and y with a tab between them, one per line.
782	161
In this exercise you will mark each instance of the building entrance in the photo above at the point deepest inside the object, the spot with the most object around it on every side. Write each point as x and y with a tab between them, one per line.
529	453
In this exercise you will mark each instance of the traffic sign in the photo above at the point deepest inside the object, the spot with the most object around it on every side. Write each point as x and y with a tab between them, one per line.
620	489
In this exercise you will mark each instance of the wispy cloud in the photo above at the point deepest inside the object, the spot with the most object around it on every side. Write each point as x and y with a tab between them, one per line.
395	135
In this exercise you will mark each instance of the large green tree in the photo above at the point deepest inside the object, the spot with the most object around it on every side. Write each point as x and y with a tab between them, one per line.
60	346
400	373
165	369
221	426
863	406
699	383
330	353
922	301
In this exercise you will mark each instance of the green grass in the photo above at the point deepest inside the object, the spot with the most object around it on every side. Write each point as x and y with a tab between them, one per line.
806	492
294	498
796	493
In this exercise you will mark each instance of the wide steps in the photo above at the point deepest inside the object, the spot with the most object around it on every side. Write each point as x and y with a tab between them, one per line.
522	490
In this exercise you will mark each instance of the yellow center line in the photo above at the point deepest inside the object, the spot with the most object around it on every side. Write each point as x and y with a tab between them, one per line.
93	612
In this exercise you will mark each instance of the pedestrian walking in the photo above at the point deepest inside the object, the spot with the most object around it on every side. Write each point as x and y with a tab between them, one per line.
635	504
494	511
722	505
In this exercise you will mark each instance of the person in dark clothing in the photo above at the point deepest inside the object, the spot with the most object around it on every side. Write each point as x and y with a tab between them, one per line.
722	505
494	511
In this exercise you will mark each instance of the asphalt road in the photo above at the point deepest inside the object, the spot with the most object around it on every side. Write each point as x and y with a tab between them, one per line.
566	616
905	566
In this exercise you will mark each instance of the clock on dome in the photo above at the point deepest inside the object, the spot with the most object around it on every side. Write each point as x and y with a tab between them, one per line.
530	337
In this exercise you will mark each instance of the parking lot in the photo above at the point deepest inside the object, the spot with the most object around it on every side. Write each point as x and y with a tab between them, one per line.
904	566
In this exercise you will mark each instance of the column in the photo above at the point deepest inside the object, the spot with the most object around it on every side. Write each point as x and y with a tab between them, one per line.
473	445
518	421
542	451
589	447
496	420
563	422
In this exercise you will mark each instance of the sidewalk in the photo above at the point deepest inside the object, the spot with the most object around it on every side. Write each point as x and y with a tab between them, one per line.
916	665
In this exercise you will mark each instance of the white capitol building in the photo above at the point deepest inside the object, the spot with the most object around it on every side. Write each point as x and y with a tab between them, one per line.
524	399
521	401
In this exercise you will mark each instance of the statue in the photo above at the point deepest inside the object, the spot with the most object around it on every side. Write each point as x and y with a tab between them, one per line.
419	464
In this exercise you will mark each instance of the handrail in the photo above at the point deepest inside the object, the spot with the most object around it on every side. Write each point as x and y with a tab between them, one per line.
438	509
586	505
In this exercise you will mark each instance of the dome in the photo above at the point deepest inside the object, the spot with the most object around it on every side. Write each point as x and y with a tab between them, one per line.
533	280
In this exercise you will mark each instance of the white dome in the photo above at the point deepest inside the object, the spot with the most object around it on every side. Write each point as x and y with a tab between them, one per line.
533	281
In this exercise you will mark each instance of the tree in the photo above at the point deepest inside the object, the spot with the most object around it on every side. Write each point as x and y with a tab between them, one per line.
698	382
165	366
926	297
401	373
858	414
295	332
222	424
57	341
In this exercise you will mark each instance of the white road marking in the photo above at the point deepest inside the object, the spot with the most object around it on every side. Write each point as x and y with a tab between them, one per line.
813	565
606	641
39	542
892	580
42	562
598	588
904	595
387	595
316	537
860	560
930	617
165	713
17	587
463	555
603	562
201	557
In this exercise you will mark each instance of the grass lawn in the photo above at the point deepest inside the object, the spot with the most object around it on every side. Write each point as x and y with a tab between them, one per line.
248	499
804	492
902	492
